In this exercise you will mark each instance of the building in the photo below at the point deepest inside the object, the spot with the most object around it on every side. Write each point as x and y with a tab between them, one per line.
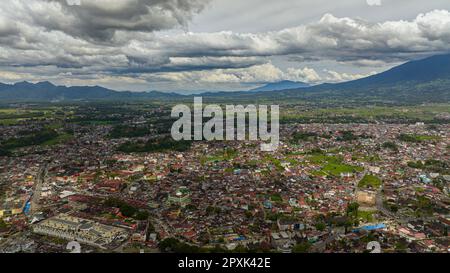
181	197
80	230
12	207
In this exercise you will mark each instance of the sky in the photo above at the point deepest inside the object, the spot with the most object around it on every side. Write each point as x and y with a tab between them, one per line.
191	46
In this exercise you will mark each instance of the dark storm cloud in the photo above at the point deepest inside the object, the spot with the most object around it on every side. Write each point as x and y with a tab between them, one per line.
101	19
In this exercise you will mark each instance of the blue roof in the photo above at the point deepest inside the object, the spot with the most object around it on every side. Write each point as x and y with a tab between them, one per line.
27	207
374	227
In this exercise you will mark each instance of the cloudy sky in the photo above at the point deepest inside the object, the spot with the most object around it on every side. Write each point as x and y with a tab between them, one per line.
203	45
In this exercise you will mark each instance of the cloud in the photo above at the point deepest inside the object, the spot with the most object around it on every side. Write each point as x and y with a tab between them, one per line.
331	38
373	2
255	74
334	76
99	20
145	39
305	74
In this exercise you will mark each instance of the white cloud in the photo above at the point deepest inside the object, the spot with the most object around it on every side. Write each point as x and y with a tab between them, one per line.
374	2
306	74
254	74
107	39
334	76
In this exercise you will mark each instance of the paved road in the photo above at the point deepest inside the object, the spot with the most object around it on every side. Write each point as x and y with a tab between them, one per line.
40	179
394	216
319	247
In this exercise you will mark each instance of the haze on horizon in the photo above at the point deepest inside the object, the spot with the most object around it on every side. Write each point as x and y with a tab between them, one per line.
206	45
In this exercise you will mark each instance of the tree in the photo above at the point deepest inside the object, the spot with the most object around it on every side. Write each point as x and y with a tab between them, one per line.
352	209
348	224
142	215
127	210
302	247
4	152
204	238
3	224
390	145
168	244
320	226
240	249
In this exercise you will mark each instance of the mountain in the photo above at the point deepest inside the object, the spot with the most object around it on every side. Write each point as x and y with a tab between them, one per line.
419	71
421	81
46	91
282	85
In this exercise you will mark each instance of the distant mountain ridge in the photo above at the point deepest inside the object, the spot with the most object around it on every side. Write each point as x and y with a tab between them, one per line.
426	80
281	85
46	91
425	70
419	81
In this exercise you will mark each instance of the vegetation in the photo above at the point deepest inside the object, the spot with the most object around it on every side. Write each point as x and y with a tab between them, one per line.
225	155
337	169
302	247
347	136
370	181
276	198
155	145
390	145
123	131
352	209
416	138
366	216
4	152
3	225
127	210
424	206
35	138
303	136
405	114
431	165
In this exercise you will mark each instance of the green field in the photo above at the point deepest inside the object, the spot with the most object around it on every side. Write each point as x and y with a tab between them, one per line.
408	114
226	155
337	169
332	165
417	138
370	181
365	216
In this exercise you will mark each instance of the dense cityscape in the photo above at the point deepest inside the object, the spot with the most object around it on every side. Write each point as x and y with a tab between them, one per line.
112	179
224	135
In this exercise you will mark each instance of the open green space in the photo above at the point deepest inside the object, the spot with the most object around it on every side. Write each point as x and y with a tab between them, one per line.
370	181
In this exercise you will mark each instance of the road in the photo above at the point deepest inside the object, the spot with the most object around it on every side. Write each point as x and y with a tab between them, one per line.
394	216
40	179
319	247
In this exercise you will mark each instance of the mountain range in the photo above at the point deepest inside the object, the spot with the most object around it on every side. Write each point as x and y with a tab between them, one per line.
426	80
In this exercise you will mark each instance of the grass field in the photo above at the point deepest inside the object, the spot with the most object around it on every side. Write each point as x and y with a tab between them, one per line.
412	113
337	169
370	181
365	216
10	116
332	165
226	155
